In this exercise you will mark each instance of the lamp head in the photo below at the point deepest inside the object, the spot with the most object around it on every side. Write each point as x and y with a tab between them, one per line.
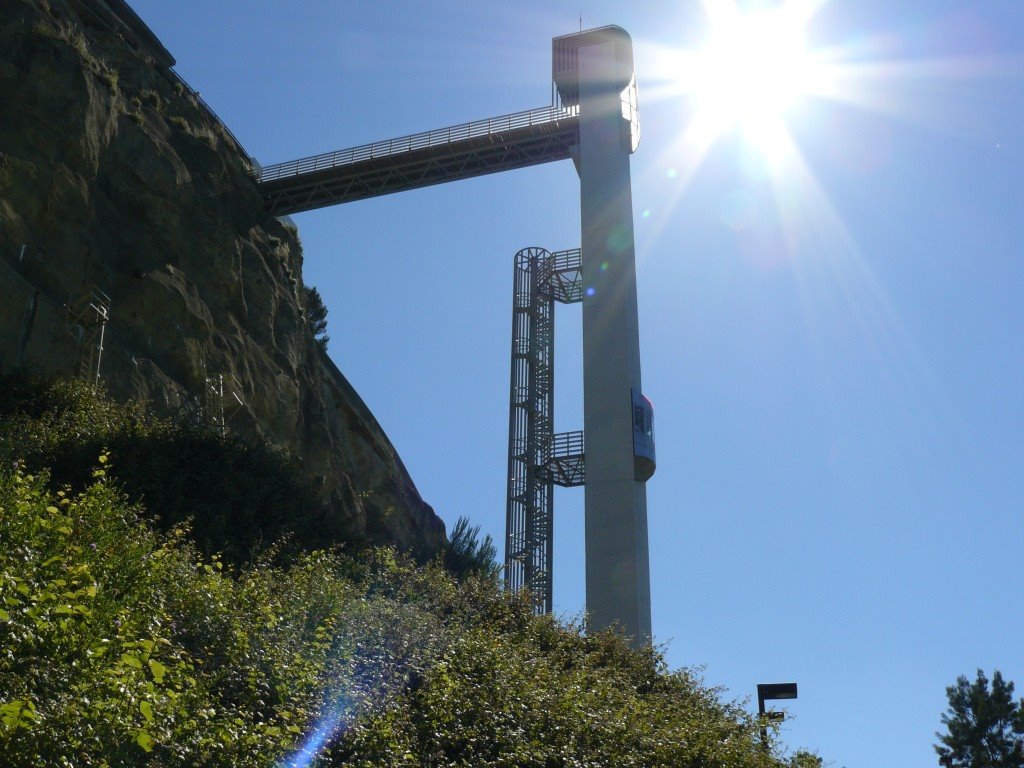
773	691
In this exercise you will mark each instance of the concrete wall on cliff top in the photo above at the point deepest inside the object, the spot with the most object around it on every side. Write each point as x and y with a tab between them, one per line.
112	175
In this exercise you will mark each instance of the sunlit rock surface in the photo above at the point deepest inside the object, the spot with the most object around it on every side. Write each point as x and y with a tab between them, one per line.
111	175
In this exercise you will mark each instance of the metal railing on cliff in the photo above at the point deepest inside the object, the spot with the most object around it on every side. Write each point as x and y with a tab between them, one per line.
175	78
118	17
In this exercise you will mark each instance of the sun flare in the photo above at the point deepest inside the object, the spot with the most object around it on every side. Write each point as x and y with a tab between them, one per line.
754	68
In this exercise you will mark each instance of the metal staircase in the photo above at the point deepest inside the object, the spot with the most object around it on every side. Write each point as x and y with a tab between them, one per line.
539	458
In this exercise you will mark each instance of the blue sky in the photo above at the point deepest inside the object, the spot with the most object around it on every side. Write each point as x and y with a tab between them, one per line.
834	341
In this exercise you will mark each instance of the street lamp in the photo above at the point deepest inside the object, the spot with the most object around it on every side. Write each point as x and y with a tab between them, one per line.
772	692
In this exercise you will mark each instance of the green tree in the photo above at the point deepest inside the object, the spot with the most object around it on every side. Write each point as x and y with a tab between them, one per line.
466	554
985	727
316	316
805	759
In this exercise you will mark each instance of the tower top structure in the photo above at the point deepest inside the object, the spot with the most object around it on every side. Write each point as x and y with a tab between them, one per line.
565	69
619	78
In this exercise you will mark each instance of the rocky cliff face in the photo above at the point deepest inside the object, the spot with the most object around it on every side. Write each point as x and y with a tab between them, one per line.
113	176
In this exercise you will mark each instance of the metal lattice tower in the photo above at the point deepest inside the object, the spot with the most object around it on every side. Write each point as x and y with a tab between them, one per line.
87	323
538	459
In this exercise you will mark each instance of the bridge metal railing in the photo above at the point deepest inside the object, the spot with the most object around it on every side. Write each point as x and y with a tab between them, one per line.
174	77
434	138
118	17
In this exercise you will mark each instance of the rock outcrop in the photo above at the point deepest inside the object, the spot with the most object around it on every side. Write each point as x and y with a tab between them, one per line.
114	175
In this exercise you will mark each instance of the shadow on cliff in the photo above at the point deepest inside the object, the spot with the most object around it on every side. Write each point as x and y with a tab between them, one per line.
236	498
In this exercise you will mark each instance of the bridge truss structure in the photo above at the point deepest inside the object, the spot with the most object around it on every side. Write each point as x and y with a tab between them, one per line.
518	140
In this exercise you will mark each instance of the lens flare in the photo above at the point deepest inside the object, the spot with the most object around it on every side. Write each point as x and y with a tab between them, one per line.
326	728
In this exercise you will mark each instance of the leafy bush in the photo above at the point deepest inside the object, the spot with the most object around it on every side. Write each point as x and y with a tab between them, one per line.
122	646
240	498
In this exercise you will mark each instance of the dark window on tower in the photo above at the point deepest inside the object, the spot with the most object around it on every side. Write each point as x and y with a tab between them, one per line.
640	421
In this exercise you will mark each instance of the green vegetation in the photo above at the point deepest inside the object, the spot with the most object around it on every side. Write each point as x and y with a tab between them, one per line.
152	99
316	316
123	645
466	554
111	78
984	726
804	759
239	498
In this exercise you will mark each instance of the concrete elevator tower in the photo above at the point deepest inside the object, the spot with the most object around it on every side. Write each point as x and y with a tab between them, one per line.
593	71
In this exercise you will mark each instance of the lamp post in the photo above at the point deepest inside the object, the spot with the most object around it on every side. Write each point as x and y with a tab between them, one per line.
772	692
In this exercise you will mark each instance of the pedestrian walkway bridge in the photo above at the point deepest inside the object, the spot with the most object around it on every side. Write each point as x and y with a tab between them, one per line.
462	151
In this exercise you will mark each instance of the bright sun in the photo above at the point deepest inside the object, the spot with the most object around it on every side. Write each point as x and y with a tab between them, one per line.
753	69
